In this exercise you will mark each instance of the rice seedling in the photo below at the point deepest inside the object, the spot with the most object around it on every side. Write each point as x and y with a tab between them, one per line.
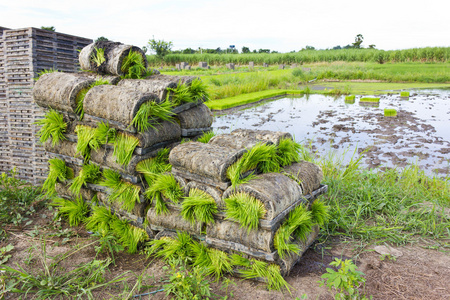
179	95
129	235
57	171
298	224
100	220
124	147
199	90
369	99
151	113
87	141
104	134
245	209
150	168
350	98
198	206
89	173
133	66
404	94
167	186
122	192
390	112
319	212
45	71
53	126
74	211
206	136
98	56
171	248
79	100
288	152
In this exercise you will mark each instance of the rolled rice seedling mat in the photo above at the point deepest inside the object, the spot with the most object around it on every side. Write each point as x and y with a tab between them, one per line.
369	100
265	135
236	142
118	105
59	90
307	174
204	163
194	133
276	191
196	117
172	221
114	54
113	80
150	85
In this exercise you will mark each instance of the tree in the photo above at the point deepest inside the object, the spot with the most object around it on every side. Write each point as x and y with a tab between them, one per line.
188	51
372	46
245	50
49	28
101	39
264	51
358	41
161	47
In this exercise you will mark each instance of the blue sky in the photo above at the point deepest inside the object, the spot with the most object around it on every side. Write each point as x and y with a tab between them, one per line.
277	25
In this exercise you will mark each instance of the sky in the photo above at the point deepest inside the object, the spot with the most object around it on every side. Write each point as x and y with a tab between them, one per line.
282	26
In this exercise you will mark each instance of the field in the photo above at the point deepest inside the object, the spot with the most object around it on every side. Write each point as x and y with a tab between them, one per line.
390	227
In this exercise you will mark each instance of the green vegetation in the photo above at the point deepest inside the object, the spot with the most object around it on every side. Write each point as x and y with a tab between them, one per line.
133	66
98	56
89	173
288	152
79	100
74	211
206	136
150	168
198	206
53	126
57	171
369	99
179	95
404	94
87	141
350	98
245	209
124	147
151	113
122	192
390	112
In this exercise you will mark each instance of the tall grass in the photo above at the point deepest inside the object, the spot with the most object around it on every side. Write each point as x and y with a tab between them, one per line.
428	54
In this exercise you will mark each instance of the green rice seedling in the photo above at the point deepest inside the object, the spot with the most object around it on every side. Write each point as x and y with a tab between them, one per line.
104	134
404	94
45	71
274	279
124	147
298	224
74	211
198	206
53	126
288	152
100	220
151	113
89	173
130	236
57	171
206	136
199	90
369	99
133	66
319	212
245	209
172	248
390	112
98	56
350	99
79	100
87	141
150	168
179	95
122	192
166	185
215	262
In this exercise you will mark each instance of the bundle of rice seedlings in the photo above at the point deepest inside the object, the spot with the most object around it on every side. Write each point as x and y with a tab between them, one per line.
57	171
45	71
199	90
245	209
288	152
53	126
390	112
298	224
150	168
198	206
150	113
82	94
262	157
166	185
215	262
74	211
370	99
98	56
179	95
404	94
133	66
124	147
88	174
128	235
122	192
319	212
87	141
206	136
172	248
100	220
104	134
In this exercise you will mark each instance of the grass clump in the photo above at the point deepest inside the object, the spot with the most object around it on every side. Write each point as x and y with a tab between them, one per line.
53	126
124	147
104	134
150	168
79	100
297	225
369	99
319	212
45	71
57	171
122	192
404	94
390	112
88	174
74	211
350	98
206	136
150	113
245	209
198	206
167	186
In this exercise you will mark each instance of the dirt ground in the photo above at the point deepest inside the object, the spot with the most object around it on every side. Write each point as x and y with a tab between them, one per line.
418	271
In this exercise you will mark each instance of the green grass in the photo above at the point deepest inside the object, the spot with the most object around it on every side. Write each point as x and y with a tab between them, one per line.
390	112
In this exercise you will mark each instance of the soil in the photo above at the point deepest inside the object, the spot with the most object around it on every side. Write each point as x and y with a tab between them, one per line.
419	272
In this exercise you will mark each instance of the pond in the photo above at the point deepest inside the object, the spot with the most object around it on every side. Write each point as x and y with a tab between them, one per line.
420	133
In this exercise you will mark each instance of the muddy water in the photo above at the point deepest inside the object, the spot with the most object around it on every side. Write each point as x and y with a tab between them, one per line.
419	134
